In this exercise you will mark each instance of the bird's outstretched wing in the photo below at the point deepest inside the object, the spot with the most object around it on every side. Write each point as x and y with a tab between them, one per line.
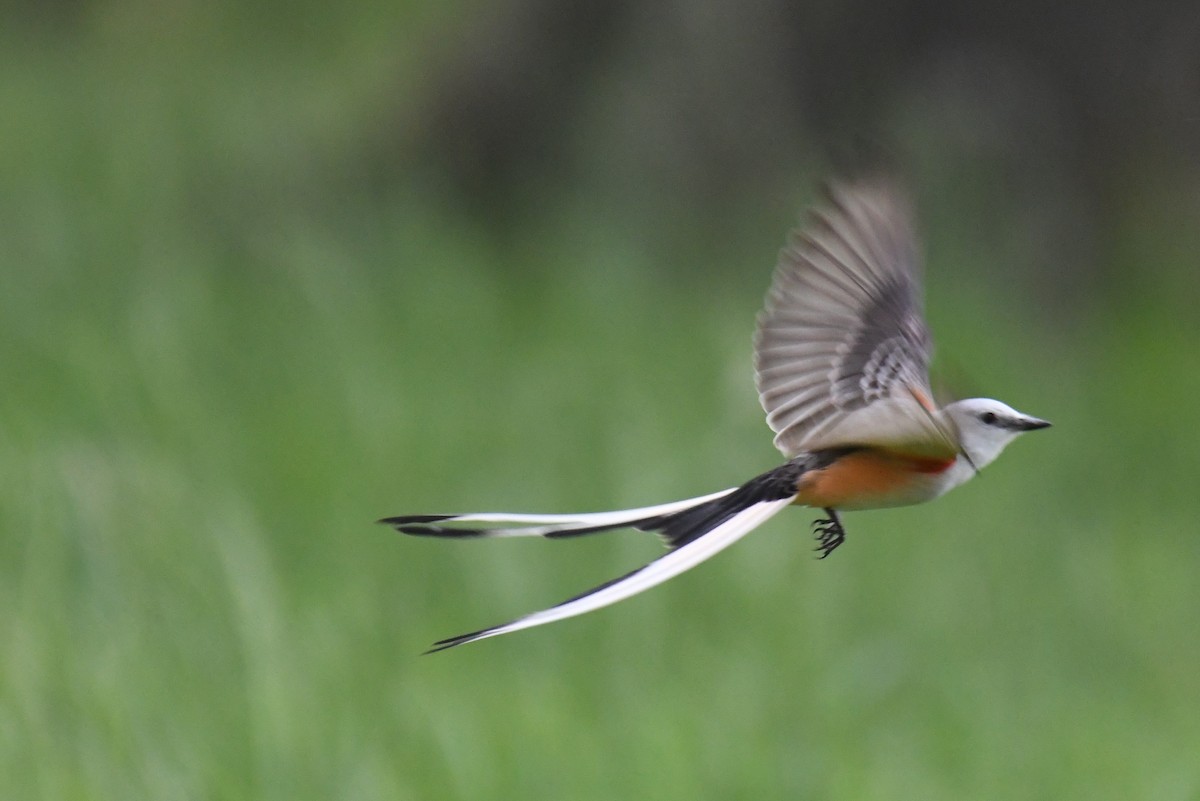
842	351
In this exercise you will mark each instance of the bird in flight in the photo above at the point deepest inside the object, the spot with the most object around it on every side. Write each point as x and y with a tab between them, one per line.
841	358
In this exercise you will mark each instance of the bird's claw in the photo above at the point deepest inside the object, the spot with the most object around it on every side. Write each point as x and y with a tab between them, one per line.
829	534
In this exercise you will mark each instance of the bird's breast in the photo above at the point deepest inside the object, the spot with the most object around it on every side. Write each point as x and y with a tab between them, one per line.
871	478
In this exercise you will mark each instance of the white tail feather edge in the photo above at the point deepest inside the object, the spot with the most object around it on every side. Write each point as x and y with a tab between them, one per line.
541	525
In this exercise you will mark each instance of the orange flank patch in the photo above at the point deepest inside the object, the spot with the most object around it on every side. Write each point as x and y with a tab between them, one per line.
928	466
867	477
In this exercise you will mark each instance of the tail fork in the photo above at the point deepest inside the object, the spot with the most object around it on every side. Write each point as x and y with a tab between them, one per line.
694	530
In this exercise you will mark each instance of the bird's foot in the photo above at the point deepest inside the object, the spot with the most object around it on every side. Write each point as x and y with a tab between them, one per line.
829	534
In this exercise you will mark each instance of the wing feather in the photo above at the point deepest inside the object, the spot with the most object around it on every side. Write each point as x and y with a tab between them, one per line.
843	330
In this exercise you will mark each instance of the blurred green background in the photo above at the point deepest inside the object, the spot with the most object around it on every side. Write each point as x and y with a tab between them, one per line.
273	271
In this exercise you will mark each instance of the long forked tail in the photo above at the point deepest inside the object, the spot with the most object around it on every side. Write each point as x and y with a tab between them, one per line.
694	529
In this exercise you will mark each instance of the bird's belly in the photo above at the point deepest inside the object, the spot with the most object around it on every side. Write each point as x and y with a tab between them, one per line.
874	479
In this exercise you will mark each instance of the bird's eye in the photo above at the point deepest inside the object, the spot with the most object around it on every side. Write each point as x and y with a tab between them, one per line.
988	418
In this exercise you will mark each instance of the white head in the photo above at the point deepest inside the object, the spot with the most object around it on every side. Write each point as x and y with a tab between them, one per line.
985	426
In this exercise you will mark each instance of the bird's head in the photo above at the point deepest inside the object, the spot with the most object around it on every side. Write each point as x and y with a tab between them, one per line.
986	426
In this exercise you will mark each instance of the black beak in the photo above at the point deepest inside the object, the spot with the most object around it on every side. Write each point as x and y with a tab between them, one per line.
1032	424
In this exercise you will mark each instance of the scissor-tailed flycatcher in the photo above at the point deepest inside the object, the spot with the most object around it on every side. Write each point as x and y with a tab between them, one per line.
842	359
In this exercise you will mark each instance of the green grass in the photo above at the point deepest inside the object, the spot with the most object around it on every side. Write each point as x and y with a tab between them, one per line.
215	382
